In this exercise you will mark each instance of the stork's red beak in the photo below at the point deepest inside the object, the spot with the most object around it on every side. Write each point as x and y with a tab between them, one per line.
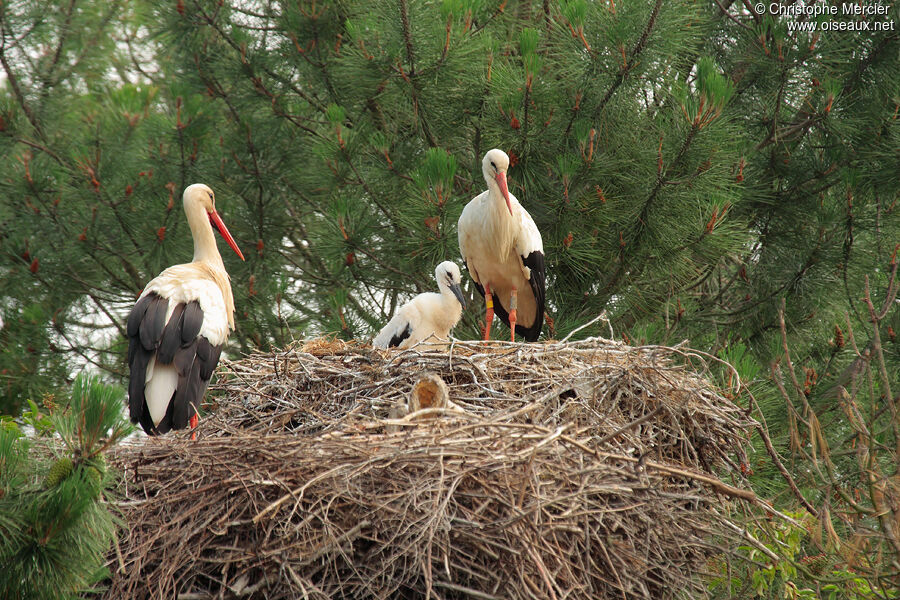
216	221
501	181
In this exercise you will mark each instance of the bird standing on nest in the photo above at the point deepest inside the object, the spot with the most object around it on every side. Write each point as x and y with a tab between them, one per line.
179	325
502	248
426	315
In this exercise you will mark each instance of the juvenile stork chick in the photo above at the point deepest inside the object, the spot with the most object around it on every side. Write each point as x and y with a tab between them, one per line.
426	315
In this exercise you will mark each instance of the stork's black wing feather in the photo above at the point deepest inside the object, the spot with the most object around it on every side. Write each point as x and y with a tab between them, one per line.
144	329
137	314
194	363
193	321
396	340
535	262
177	342
209	361
153	321
170	341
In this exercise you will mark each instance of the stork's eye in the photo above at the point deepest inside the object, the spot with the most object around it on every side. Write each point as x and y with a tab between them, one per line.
493	165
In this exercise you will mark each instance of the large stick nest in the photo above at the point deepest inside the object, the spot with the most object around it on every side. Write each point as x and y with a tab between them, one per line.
568	470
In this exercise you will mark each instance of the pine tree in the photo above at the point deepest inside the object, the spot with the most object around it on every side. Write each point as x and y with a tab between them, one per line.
344	142
691	165
95	157
677	157
374	119
55	526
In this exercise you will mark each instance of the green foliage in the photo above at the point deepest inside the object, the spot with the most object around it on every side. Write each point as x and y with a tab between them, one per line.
690	166
99	423
31	362
670	156
802	573
41	422
55	527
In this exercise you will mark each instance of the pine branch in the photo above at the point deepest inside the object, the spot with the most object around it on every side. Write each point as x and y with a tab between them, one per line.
256	172
626	68
793	280
756	18
371	193
664	176
731	17
125	227
112	318
211	21
772	137
66	28
614	279
14	83
409	77
863	65
407	36
326	78
43	149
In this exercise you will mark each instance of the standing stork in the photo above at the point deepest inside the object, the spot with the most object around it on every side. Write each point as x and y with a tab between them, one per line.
502	248
179	325
427	314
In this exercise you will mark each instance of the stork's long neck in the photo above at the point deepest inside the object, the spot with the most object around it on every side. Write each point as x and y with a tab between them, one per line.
501	222
451	308
205	249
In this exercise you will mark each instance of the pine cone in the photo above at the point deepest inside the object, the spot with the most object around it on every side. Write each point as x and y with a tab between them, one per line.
97	462
94	477
60	470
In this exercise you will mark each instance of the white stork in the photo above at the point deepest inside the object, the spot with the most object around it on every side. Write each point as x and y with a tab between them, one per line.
502	248
427	314
179	325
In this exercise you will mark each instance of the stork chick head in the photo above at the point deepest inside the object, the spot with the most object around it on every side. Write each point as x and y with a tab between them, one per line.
201	195
494	167
449	278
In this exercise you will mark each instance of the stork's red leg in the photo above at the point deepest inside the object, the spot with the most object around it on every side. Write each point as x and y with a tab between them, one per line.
193	422
513	303
489	311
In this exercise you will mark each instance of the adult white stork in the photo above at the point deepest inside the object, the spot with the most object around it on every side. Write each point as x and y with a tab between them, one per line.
427	314
179	325
502	248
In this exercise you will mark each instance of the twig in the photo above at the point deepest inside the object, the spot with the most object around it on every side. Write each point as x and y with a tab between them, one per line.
601	317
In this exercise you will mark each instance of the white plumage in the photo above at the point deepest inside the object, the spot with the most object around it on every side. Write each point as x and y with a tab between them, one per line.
503	251
180	324
426	315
